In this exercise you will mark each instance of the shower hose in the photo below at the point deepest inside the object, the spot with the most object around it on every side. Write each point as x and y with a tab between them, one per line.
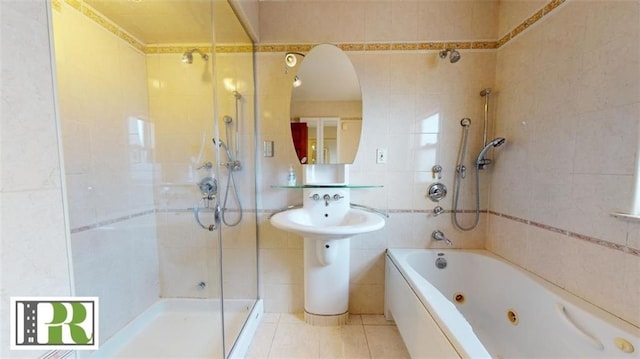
466	123
231	181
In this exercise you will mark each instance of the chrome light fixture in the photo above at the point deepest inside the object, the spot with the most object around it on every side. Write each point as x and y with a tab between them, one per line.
290	58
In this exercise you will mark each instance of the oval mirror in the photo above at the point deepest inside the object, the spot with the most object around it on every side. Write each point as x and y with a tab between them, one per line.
326	107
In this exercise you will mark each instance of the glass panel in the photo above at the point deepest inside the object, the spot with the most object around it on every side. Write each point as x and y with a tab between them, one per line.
137	119
236	138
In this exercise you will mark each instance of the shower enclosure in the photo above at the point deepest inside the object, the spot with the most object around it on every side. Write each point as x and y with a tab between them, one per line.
143	91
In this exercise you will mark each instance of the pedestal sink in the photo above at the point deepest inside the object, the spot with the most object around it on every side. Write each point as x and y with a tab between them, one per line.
302	222
327	223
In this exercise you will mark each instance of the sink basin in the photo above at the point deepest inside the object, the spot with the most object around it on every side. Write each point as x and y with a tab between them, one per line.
304	223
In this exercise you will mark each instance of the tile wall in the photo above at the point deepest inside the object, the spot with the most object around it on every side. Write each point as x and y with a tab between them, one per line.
568	108
108	157
33	237
568	102
413	102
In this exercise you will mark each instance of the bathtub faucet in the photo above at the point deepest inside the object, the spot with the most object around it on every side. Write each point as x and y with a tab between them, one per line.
439	236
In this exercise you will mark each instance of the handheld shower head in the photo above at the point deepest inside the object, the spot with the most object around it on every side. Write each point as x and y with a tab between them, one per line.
482	162
220	143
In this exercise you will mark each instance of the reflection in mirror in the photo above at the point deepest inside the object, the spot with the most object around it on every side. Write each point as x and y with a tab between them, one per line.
326	107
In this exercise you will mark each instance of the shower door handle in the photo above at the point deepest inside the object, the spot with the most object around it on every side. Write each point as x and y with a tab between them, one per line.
217	215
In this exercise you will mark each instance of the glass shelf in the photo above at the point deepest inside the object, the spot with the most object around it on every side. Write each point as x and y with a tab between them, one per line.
327	186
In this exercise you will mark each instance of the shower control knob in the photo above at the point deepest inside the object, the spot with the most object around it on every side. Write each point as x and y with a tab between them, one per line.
436	171
437	191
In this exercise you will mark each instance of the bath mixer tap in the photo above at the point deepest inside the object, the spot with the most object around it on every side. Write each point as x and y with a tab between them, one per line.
439	236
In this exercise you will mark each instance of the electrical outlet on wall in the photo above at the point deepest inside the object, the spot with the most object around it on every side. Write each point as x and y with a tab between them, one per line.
381	155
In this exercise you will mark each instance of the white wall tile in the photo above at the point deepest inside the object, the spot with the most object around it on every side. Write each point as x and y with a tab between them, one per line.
569	112
34	238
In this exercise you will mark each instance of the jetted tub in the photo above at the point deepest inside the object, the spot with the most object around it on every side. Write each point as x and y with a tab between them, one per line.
472	304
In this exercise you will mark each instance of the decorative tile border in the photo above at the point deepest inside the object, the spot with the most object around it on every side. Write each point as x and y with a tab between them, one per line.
417	46
568	233
144	213
99	19
108	25
424	211
384	46
546	10
111	221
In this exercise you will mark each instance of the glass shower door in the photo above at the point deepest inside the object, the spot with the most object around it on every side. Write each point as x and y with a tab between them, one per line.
235	143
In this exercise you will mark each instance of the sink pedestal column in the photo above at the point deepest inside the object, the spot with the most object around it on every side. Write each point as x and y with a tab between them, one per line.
326	281
326	259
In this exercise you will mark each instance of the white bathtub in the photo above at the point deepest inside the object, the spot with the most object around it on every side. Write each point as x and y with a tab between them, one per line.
502	311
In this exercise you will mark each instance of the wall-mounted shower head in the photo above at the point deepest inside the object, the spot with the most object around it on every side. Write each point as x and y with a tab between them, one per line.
485	92
187	57
454	55
481	161
227	119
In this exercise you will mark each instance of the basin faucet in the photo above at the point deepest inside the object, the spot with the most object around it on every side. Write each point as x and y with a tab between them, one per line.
439	236
326	198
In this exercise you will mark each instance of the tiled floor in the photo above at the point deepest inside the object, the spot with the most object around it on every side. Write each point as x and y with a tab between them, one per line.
288	336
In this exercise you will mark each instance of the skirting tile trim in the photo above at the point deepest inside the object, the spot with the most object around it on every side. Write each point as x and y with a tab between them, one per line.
326	320
593	240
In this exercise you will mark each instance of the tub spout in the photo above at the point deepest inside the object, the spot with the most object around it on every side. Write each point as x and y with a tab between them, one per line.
439	236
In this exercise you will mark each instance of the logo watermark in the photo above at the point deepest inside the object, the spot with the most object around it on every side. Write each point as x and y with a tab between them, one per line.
49	323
